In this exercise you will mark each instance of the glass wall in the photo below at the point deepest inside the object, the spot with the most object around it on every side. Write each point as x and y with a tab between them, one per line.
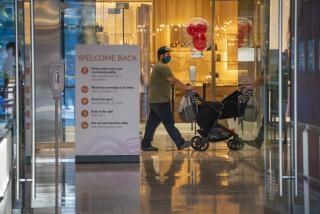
241	59
170	21
245	49
226	23
236	31
105	23
8	101
307	104
7	58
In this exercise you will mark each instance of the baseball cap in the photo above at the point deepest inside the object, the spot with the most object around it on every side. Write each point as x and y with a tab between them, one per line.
163	50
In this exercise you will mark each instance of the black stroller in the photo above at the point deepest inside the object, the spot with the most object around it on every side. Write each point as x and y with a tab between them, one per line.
208	116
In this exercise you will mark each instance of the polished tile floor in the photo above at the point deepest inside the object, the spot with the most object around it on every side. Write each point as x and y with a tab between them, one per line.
187	181
167	182
107	188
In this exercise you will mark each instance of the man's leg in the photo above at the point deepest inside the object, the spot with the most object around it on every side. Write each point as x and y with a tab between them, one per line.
260	136
163	111
258	141
151	126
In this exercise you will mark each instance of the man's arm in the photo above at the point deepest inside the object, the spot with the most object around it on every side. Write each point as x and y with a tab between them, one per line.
173	80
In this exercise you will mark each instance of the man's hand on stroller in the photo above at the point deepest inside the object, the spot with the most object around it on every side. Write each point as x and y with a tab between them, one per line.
173	80
188	87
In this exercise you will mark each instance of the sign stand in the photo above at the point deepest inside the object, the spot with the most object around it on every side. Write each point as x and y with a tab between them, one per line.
57	87
56	103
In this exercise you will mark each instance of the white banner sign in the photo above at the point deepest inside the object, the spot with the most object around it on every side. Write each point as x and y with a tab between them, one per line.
107	100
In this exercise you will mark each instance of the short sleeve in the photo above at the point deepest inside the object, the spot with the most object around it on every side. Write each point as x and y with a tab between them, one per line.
166	72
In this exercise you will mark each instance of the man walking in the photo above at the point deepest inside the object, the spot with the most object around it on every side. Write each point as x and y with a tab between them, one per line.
159	100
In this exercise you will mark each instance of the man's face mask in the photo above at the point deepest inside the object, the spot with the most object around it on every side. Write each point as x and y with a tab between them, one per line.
166	59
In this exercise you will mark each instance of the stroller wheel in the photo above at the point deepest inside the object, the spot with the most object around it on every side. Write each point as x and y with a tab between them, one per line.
233	144
194	143
202	144
199	143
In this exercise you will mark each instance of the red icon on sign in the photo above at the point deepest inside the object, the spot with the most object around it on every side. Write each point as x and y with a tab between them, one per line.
84	101
84	70
84	89
84	113
84	125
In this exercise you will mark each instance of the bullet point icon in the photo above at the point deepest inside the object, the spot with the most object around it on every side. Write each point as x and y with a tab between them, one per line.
84	125
84	113
84	101
84	89
84	70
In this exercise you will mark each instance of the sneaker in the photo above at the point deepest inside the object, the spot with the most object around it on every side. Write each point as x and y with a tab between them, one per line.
149	149
259	142
186	144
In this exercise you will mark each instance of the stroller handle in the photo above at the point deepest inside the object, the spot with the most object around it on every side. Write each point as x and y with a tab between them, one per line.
195	95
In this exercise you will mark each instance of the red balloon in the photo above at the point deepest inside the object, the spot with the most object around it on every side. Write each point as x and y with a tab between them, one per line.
191	29
201	36
201	27
200	43
244	30
198	33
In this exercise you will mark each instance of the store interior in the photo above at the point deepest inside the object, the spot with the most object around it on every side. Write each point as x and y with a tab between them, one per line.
240	44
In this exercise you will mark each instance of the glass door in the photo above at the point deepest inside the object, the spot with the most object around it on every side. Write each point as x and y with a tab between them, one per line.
105	23
243	55
128	23
37	33
8	103
14	176
277	120
275	54
306	104
292	121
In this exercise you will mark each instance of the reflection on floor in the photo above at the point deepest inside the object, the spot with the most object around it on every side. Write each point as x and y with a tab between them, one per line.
45	183
169	182
107	188
198	182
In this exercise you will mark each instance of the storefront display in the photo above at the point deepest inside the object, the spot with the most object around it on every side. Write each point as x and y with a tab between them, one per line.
6	37
189	33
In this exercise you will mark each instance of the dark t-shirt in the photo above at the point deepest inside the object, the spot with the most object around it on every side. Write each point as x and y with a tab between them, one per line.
159	86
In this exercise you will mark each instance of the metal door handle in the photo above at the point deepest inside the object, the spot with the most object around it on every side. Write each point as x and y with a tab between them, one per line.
33	110
295	98
17	102
280	97
295	95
